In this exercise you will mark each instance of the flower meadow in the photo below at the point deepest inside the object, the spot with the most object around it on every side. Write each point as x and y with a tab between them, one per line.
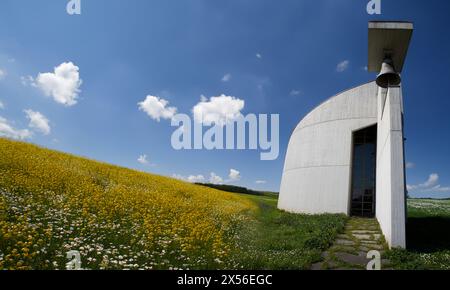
52	203
428	237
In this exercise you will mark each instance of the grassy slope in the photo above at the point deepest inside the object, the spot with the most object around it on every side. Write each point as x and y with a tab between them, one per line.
428	236
117	218
51	203
281	240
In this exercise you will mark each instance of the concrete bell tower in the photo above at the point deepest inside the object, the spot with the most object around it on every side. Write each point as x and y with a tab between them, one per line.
388	47
347	155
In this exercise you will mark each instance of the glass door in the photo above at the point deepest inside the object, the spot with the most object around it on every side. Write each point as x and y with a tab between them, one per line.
364	172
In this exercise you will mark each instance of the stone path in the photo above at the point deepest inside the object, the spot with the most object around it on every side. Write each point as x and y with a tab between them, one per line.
350	249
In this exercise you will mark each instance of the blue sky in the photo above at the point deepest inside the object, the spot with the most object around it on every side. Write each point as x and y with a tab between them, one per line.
180	50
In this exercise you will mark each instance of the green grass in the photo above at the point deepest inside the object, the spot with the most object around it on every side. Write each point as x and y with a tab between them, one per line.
427	235
51	203
281	240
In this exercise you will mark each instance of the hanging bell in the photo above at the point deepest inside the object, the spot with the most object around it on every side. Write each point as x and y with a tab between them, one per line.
388	76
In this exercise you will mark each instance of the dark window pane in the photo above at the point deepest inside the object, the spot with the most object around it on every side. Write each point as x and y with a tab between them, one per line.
363	172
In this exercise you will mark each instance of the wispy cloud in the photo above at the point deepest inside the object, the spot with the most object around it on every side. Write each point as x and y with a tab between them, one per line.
430	186
261	182
143	159
2	74
410	165
38	122
432	181
215	179
295	93
342	66
27	81
196	178
226	78
262	83
191	178
258	55
8	131
234	175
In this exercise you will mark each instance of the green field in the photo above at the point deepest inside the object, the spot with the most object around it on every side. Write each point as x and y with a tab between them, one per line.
281	240
52	203
427	235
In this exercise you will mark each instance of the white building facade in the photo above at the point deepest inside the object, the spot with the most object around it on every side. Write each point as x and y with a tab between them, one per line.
347	155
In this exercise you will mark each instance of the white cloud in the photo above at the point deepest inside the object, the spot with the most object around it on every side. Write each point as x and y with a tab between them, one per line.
63	85
262	83
179	177
2	74
439	188
190	178
195	178
218	110
431	185
143	159
342	66
410	165
215	179
27	81
258	55
6	130
226	78
432	181
234	175
157	108
261	182
38	122
1	105
295	93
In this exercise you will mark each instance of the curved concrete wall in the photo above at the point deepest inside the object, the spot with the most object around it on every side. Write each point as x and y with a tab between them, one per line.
317	171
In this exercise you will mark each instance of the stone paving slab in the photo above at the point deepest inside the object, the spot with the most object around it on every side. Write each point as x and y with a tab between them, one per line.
361	236
364	232
349	251
353	259
344	242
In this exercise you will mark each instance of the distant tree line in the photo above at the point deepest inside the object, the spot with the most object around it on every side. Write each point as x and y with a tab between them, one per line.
235	189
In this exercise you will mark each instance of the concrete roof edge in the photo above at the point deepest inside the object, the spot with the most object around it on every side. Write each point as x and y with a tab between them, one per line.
330	98
391	25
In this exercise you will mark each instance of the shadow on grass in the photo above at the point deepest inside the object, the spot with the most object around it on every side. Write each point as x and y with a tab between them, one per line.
428	234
